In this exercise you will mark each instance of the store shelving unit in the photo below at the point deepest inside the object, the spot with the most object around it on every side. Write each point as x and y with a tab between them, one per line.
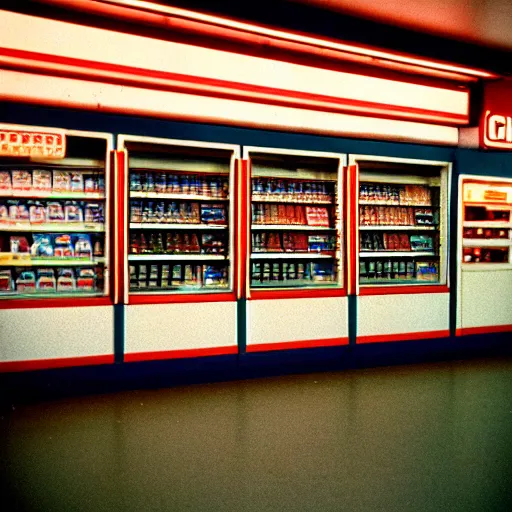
54	241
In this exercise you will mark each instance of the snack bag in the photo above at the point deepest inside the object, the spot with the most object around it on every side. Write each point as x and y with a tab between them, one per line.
61	181
73	212
76	182
86	280
42	246
83	247
21	181
63	247
46	280
4	214
37	213
94	213
18	212
5	281
42	181
26	282
19	244
66	280
55	212
5	183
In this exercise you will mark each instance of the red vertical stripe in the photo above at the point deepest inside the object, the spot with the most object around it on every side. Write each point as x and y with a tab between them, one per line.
244	229
120	224
351	199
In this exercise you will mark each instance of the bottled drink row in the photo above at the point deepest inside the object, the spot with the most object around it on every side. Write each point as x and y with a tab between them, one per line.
393	270
417	195
290	215
284	190
15	182
177	243
163	276
45	245
49	280
395	242
165	183
292	273
175	212
14	211
393	216
293	243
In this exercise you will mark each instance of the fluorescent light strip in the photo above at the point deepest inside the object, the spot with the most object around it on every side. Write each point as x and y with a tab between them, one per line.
290	36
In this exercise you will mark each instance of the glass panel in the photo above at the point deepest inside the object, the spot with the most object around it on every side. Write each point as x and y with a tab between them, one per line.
52	223
296	224
400	217
179	214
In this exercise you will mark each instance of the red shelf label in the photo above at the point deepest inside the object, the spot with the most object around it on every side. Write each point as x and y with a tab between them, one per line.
21	143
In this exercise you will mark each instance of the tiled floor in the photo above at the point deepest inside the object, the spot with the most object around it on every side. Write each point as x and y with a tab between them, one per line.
421	438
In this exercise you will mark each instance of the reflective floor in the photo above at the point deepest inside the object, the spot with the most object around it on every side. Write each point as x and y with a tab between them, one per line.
434	437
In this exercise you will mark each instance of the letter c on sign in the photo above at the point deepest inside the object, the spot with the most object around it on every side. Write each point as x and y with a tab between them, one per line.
496	127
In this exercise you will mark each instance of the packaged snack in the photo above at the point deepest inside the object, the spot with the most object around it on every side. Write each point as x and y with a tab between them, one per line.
90	184
63	247
323	272
26	282
4	214
426	271
73	212
76	182
177	274
55	212
153	276
42	181
21	181
5	183
46	280
42	246
161	182
19	244
86	280
94	213
215	276
142	283
135	182
213	214
5	281
66	281
135	212
61	181
421	243
83	246
37	213
18	212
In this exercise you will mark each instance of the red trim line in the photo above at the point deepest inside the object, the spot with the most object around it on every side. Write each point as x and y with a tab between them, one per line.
352	199
404	290
70	302
179	354
288	345
488	329
408	336
119	230
297	294
135	76
45	364
181	299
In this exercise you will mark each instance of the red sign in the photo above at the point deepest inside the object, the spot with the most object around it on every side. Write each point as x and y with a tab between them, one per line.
496	120
23	143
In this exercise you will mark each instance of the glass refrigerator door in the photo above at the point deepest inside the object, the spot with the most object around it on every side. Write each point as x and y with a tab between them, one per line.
296	221
402	223
487	223
180	217
53	238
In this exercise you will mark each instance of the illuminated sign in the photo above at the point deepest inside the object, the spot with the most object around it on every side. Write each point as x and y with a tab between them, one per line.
24	143
497	131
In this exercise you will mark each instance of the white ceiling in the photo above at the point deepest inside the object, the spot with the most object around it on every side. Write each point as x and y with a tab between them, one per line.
484	22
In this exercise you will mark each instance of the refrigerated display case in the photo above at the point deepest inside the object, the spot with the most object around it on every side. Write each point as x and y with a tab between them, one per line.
54	241
402	211
485	255
179	255
296	221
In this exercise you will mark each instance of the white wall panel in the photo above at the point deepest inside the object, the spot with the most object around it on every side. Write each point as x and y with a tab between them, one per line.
67	39
401	314
48	333
17	86
486	298
166	327
282	320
